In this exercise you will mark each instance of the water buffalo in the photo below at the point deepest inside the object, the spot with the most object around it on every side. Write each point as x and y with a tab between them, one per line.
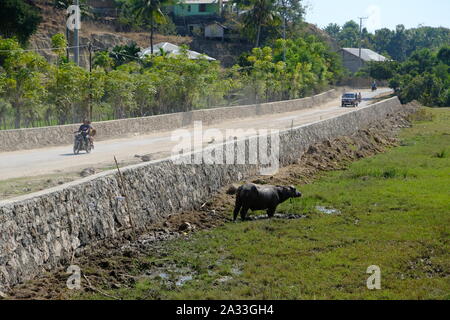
256	197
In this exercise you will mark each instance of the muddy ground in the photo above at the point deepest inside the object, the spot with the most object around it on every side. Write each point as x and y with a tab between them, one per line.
120	263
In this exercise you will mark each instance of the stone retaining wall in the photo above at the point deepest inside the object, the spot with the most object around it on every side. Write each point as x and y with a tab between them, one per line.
42	230
32	138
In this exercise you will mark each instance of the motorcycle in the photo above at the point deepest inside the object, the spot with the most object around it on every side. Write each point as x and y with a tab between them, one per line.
81	142
374	87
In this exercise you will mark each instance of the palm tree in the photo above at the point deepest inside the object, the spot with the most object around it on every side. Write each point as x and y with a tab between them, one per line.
150	10
260	12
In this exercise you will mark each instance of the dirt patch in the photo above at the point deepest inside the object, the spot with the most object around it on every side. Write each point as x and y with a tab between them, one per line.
121	262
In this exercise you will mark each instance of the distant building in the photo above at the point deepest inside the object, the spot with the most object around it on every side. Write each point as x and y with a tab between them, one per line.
173	50
187	8
192	16
215	30
352	61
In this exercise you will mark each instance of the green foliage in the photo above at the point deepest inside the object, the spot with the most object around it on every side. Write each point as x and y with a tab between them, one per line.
259	13
349	35
59	43
333	29
23	79
123	85
103	60
18	19
263	20
120	91
65	91
124	54
149	12
444	55
309	67
382	71
424	77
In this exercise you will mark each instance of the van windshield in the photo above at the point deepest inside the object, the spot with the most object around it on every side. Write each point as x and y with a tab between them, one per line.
349	95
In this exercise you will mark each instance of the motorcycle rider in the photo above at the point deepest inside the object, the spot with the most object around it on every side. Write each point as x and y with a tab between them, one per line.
374	85
88	130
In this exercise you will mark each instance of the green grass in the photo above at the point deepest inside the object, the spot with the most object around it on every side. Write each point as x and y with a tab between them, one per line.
395	210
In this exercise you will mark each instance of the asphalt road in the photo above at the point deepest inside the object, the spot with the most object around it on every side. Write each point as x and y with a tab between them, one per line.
52	160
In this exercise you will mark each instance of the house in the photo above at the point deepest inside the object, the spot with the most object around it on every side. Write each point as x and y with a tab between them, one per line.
353	61
187	8
173	50
191	16
215	30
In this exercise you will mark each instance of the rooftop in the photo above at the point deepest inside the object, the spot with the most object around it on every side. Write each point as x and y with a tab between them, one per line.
173	50
366	54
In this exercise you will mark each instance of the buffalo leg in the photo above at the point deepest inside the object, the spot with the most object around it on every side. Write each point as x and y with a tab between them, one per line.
237	207
244	211
236	211
271	212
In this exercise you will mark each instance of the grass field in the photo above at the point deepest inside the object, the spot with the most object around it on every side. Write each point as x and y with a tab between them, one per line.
394	212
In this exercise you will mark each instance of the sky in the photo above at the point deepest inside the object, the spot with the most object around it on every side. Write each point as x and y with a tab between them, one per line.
381	13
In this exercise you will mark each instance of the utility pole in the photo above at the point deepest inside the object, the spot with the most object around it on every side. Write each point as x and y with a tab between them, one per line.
90	56
68	41
284	30
360	39
76	42
90	80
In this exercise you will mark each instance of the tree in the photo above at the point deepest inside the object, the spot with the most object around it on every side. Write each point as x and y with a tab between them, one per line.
18	19
349	35
120	90
124	54
24	75
333	29
382	70
293	11
59	43
103	59
265	77
444	55
382	40
67	87
400	41
423	77
95	90
260	13
150	10
313	59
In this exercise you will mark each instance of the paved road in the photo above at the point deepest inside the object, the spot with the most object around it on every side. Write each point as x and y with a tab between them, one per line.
44	161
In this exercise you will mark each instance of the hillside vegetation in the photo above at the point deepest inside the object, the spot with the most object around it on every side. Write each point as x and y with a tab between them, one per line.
34	92
425	76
